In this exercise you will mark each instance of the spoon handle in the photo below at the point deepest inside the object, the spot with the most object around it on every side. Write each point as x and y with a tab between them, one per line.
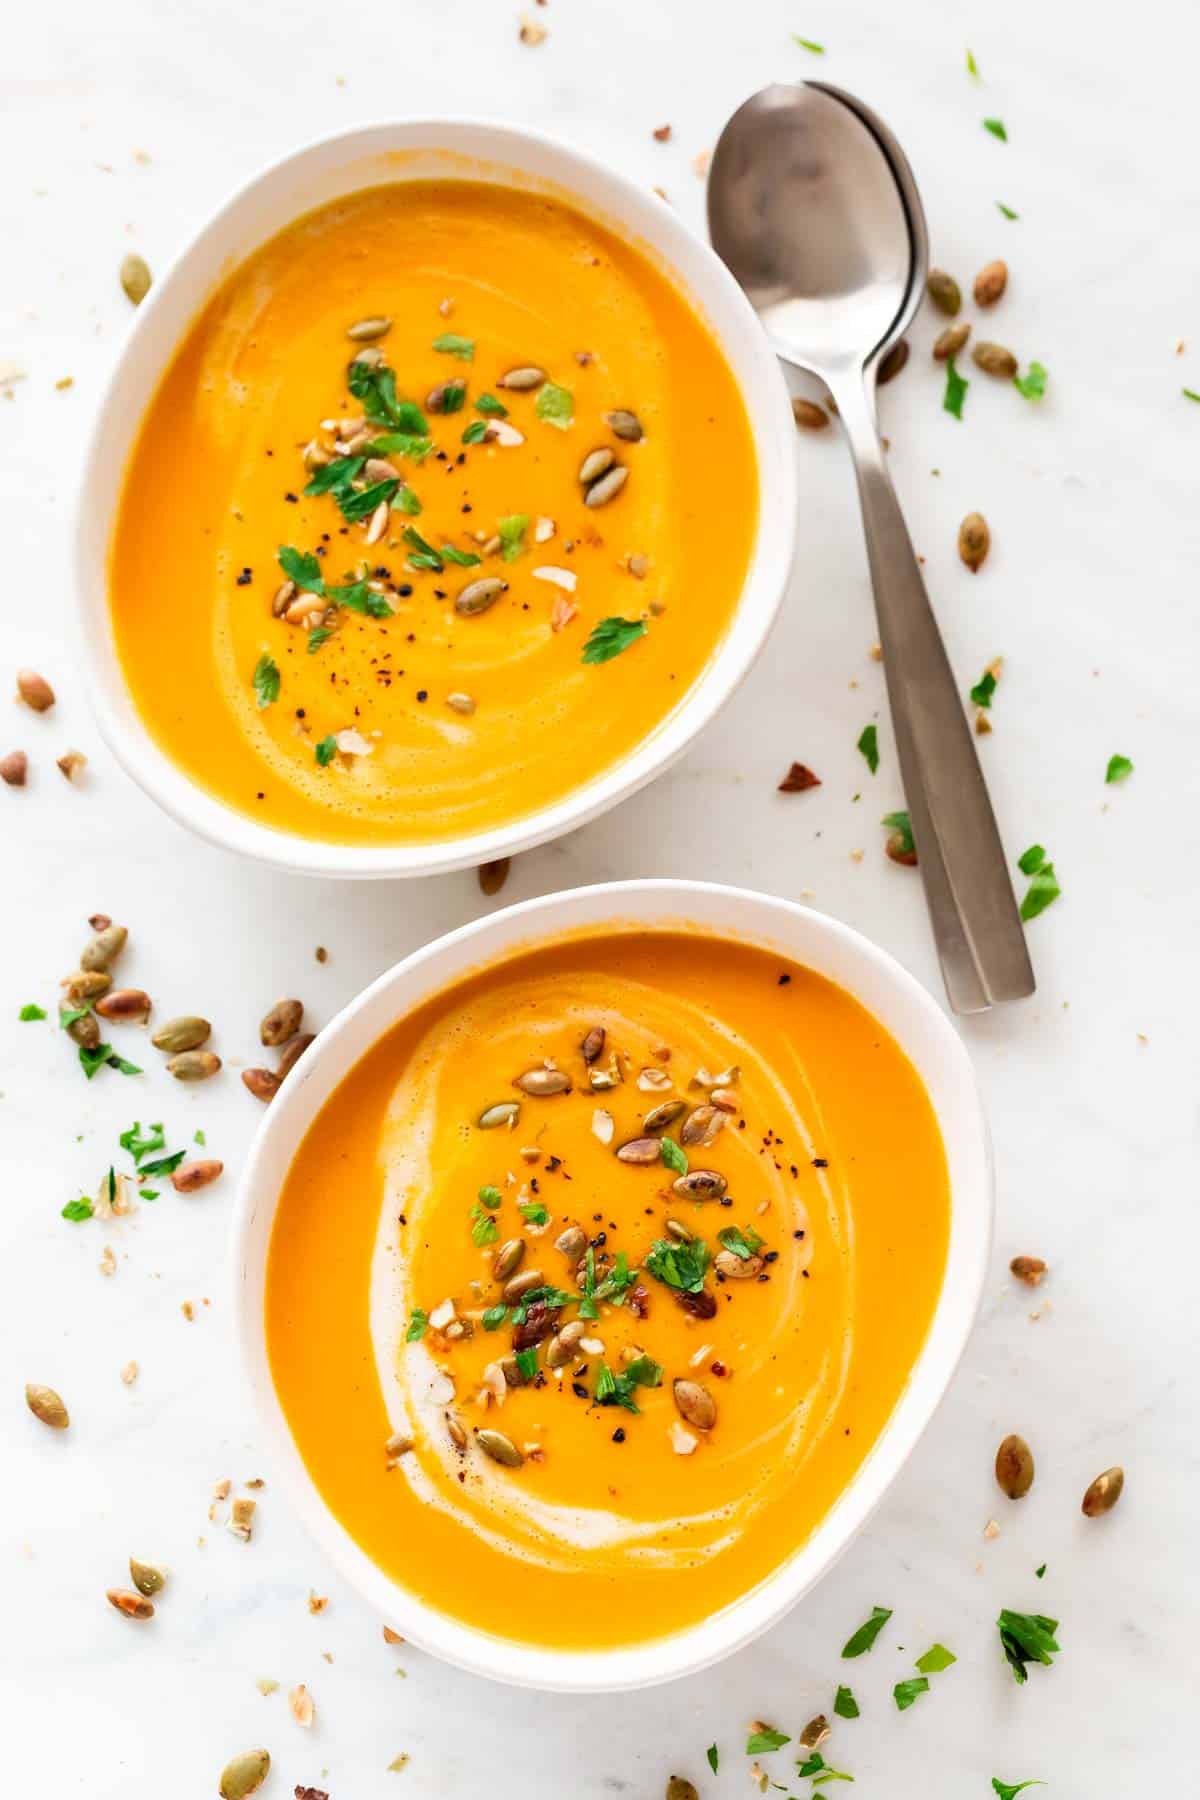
976	926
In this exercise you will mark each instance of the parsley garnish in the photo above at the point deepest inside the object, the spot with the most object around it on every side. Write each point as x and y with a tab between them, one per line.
1008	1790
302	567
534	1212
1118	768
317	638
984	688
1026	1638
765	1739
956	390
905	1692
679	1266
475	432
617	1390
488	403
866	1634
935	1659
91	1060
30	1011
819	1770
140	1144
1031	860
357	597
361	504
1043	888
512	535
484	1229
1191	394
972	66
148	1193
415	444
418	1325
526	1361
808	44
1007	210
462	559
424	556
673	1155
1040	1571
996	127
76	1210
450	344
554	404
163	1165
490	1197
844	1704
714	1757
1033	384
868	744
900	821
336	474
610	637
406	502
265	681
325	751
376	388
494	1317
744	1244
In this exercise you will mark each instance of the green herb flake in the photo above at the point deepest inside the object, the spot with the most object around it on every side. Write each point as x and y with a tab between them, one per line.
1119	768
413	444
997	129
844	1704
494	1317
985	687
808	44
743	1244
714	1757
148	1193
91	1060
325	751
956	390
673	1155
1043	891
361	503
901	822
462	559
1040	1571
868	746
484	1229
1031	860
418	1325
450	344
865	1636
972	65
1008	1790
475	432
1026	1638
905	1692
490	1197
141	1143
679	1266
376	388
1033	383
1006	210
1191	394
489	405
317	638
31	1011
302	567
162	1165
78	1210
527	1362
424	556
533	1212
819	1772
610	637
759	1742
265	681
554	405
935	1659
336	476
407	502
512	531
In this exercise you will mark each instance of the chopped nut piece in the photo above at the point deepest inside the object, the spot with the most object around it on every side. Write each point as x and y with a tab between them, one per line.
241	1519
1029	1269
129	1373
72	763
317	1602
13	768
300	1704
661	134
134	1606
34	690
390	1636
798	780
532	34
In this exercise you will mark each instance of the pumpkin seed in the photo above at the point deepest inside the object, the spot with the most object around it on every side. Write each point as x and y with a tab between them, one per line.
35	690
129	1005
435	399
47	1406
522	1284
370	358
501	1449
808	415
563	1344
145	1577
190	1177
951	341
493	875
85	1031
262	1083
1103	1493
892	363
86	984
974	540
193	1065
134	1606
994	359
367	330
505	1112
595	463
244	1775
523	380
508	1258
592	1046
641	1151
680	1788
544	1082
187	1032
608	486
572	1243
457	1432
700	1184
945	292
292	1053
702	1126
695	1404
103	950
1014	1467
991	282
281	1022
461	703
659	1117
479	595
625	425
679	1231
136	278
735	1267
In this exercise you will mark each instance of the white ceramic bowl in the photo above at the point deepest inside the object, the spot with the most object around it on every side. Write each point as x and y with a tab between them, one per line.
880	984
325	171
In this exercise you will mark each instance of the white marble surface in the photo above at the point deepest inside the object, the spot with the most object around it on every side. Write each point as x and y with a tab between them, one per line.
1090	597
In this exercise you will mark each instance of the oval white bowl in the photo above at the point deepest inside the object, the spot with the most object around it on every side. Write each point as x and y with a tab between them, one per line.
311	177
899	1003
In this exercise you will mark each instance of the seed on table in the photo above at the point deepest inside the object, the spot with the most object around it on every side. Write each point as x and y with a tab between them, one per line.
520	1285
625	425
135	278
187	1032
951	341
244	1775
145	1577
678	1786
990	283
190	1177
1014	1467
281	1022
478	596
505	1112
1103	1493
508	1258
994	359
501	1449
944	291
35	690
808	415
595	463
85	1031
892	363
608	487
572	1243
193	1065
131	1006
47	1406
523	380
695	1404
103	950
493	875
974	540
544	1082
737	1268
85	984
641	1151
134	1606
365	331
262	1083
293	1052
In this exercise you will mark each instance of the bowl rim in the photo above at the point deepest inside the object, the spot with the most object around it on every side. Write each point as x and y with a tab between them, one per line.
650	902
197	269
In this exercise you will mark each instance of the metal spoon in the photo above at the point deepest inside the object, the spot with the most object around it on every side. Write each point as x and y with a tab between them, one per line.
813	206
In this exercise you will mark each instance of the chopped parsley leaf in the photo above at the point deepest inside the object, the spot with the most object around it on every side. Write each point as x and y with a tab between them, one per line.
1191	394
490	1197
376	388
418	1325
424	555
450	344
765	1739
527	1362
91	1060
317	638
956	390
407	502
808	44
1040	1571
358	597
868	744
679	1266
1032	384
615	1285
484	1229
555	405
901	822
415	444
488	403
139	1143
1031	860
1026	1638
1043	891
905	1692
494	1317
866	1634
148	1193
335	476
361	504
714	1757
1118	768
265	681
743	1244
76	1210
972	65
610	637
31	1011
935	1659
462	559
302	567
819	1770
512	535
1006	210
844	1704
673	1155
997	129
985	687
475	432
162	1165
325	751
1008	1790
533	1212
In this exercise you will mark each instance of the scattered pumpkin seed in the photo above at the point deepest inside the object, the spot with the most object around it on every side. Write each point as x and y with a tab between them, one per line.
1014	1467
901	850
994	359
659	1117
523	380
446	396
193	1065
515	1290
85	1030
642	1151
625	425
608	486
700	1184
262	1083
695	1404
508	1258
1103	1493
505	1112
281	1022
145	1577
14	766
974	540
563	1345
131	1006
461	703
478	596
85	984
493	875
679	1231
244	1775
366	331
737	1268
945	292
991	282
544	1082
808	415
1028	1269
103	950
47	1406
951	341
136	278
892	363
190	1177
592	1046
35	690
572	1243
701	1126
595	464
133	1606
292	1052
501	1449
680	1788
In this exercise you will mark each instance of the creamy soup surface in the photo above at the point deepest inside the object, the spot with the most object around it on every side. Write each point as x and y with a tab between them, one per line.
443	506
612	1261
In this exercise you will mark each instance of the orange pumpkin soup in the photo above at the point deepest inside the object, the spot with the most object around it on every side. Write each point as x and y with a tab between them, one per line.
610	1261
441	509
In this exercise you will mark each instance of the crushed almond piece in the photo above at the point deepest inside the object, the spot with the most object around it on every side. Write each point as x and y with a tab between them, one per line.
241	1518
300	1704
266	1686
397	1763
531	33
108	1261
662	134
390	1636
222	1489
317	1602
129	1373
991	1530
